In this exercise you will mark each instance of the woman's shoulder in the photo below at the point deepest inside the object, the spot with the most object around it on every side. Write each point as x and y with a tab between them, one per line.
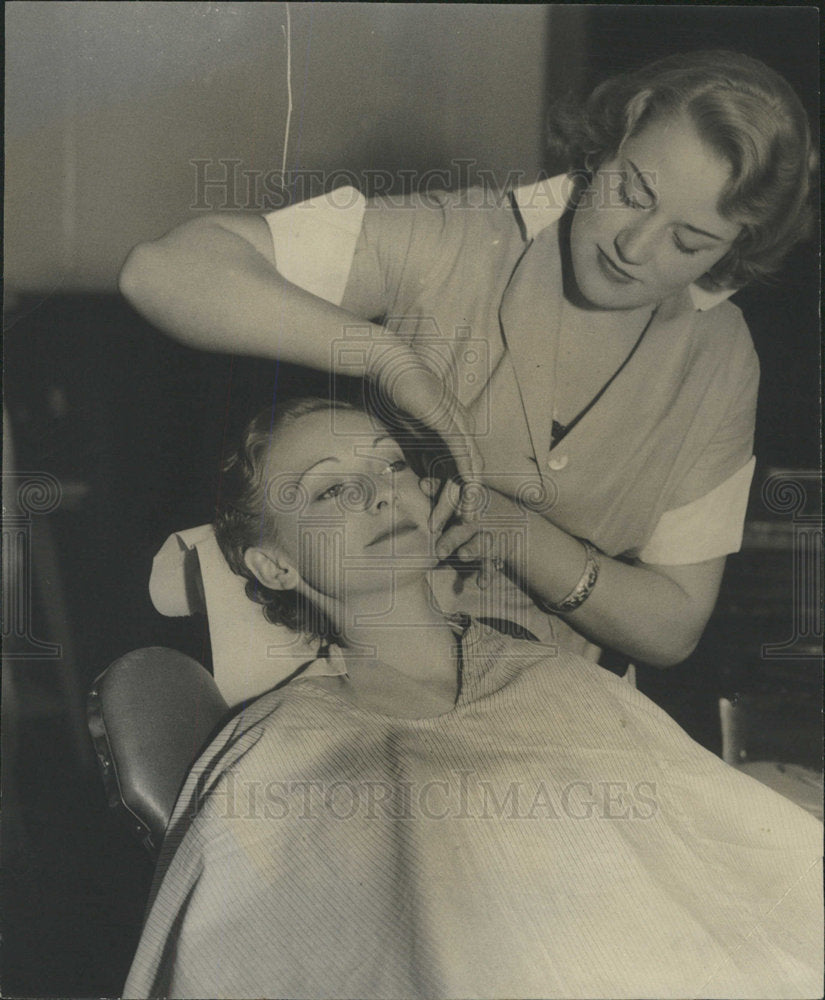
722	335
470	213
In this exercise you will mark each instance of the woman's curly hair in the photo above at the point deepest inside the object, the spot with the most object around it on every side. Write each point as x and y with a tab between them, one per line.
745	111
244	516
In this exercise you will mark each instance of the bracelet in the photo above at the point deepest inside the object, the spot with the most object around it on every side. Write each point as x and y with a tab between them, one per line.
584	588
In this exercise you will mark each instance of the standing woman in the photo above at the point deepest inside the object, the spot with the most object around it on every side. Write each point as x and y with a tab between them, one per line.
605	387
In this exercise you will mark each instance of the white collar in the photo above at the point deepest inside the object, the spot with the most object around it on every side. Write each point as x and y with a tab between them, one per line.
703	300
543	203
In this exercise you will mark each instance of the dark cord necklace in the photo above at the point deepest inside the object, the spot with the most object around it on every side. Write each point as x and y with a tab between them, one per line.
559	431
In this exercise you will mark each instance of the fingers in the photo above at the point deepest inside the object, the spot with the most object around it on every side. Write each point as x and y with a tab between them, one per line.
408	384
457	541
492	565
468	459
465	451
446	505
474	499
456	428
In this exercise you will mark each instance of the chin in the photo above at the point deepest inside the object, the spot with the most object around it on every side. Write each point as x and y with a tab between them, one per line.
601	293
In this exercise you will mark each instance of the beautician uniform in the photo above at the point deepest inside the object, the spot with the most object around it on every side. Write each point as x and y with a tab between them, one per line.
658	470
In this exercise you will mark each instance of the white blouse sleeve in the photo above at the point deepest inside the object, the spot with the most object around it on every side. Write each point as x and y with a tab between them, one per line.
314	241
706	528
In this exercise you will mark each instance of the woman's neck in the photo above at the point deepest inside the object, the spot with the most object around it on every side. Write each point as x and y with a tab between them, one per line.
570	289
411	636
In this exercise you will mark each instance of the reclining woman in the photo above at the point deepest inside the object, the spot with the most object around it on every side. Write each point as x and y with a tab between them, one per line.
583	322
435	809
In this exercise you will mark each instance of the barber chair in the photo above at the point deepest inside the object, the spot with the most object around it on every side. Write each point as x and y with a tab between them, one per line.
150	714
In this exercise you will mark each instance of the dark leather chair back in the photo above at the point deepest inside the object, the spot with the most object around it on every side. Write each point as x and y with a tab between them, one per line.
150	714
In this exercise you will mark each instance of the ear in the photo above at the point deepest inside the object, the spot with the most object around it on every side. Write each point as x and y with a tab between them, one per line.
271	569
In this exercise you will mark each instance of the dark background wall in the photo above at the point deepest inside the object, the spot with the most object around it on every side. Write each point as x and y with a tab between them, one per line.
108	104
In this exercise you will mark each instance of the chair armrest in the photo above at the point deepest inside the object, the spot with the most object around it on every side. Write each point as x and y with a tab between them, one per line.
150	714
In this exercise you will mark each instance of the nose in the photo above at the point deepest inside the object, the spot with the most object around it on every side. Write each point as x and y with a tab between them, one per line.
383	495
634	243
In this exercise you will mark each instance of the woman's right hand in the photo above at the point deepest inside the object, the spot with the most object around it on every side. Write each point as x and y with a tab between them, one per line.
404	382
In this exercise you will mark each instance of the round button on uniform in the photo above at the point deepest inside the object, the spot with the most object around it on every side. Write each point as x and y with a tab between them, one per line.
557	462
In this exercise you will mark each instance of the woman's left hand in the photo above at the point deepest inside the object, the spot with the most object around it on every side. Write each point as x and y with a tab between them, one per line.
652	613
467	539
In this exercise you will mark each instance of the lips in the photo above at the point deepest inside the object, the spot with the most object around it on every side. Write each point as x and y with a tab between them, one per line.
404	528
612	271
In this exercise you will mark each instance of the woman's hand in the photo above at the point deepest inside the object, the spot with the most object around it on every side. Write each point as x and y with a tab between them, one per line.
469	539
654	614
404	382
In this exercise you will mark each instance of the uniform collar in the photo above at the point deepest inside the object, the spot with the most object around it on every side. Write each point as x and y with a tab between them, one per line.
703	300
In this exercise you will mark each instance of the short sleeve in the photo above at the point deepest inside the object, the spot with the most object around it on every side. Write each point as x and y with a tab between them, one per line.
706	516
705	528
315	240
401	242
366	255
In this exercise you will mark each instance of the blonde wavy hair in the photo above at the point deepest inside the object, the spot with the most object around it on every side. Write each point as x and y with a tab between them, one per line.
747	113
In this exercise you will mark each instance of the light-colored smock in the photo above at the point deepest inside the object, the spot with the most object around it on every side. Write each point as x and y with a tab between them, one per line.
554	835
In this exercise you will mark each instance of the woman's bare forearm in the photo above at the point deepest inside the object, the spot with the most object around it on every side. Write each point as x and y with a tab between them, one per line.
652	614
213	284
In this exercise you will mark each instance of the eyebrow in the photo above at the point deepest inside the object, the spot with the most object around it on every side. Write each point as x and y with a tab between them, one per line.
652	194
329	458
333	458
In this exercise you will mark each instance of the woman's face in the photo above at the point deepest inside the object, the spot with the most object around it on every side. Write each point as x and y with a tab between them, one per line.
346	504
648	225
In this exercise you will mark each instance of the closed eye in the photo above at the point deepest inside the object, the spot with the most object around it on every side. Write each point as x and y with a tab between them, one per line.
633	202
685	249
632	199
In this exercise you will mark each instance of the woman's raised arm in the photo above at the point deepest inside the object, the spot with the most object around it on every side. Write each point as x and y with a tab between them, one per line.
212	284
